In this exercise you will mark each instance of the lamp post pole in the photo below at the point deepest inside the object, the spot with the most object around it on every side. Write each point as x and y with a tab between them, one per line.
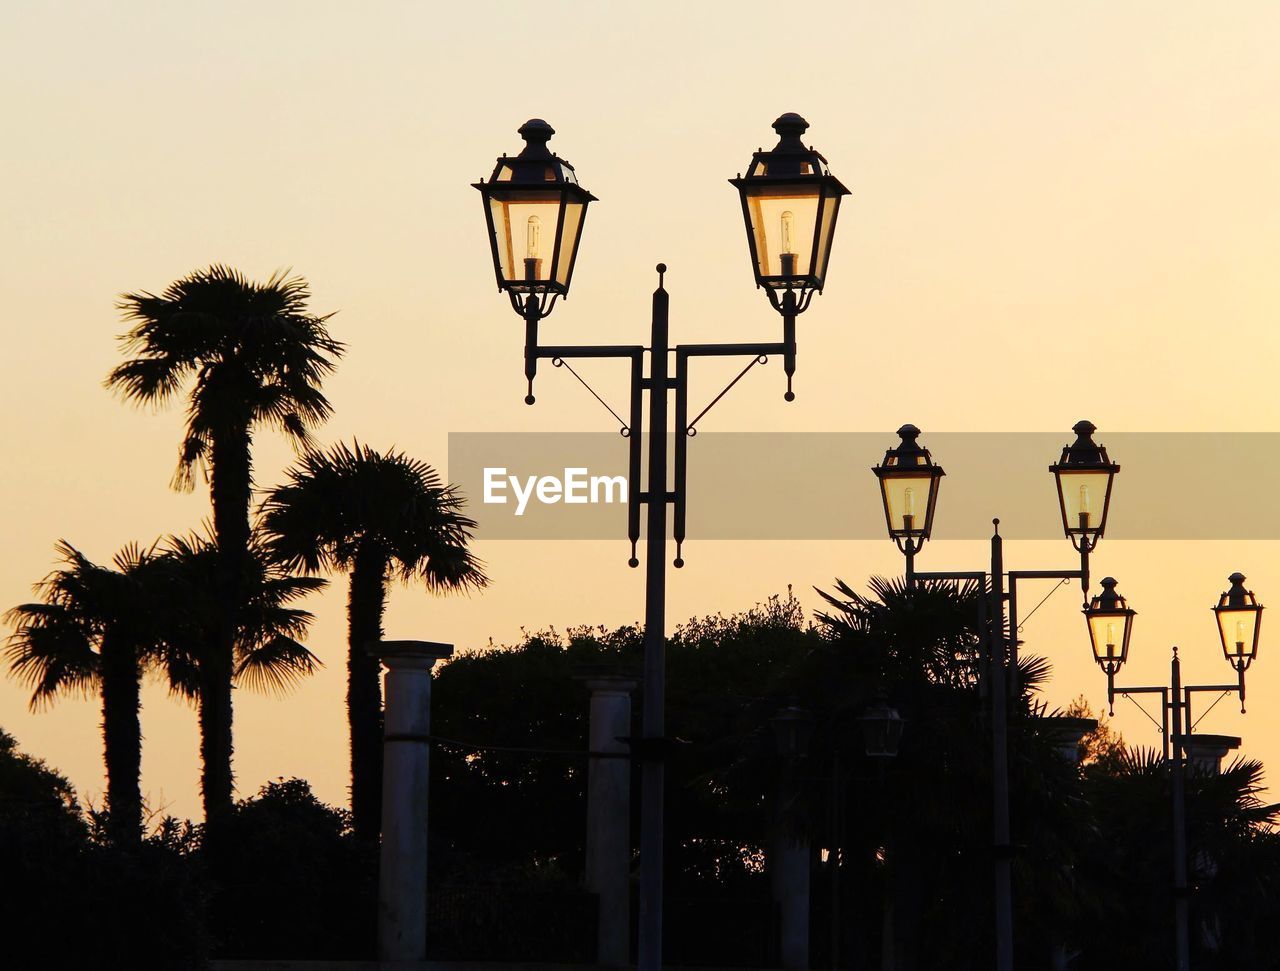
535	209
1239	617
652	778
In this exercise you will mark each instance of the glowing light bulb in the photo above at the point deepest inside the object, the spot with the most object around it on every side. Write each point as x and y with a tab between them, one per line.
1111	639
909	501
788	221
1240	632
1084	505
531	238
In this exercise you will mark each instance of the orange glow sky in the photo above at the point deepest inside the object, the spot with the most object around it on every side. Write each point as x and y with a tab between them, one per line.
1058	211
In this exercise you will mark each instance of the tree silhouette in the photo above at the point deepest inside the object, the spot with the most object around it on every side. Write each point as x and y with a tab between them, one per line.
376	516
253	355
96	628
266	654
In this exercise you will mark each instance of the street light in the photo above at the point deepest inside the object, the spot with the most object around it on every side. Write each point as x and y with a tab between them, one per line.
1239	623
909	493
792	728
535	209
790	201
1084	475
881	729
1239	617
1110	621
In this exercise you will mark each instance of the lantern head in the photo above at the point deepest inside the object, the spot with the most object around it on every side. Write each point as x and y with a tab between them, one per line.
1110	620
790	201
908	489
535	211
1239	623
882	728
1084	475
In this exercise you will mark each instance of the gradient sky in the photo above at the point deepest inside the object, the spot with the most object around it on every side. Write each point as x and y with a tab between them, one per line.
1059	210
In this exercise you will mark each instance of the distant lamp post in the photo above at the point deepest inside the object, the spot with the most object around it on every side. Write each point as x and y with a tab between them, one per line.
909	491
1110	620
882	728
1239	624
1239	617
1084	474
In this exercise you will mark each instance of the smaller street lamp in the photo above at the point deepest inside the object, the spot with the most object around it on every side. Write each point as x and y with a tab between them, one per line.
1239	617
1239	624
909	492
792	728
1110	620
1084	475
882	728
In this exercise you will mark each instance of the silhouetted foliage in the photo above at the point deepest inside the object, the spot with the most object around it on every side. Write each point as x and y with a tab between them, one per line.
289	880
377	516
253	355
73	901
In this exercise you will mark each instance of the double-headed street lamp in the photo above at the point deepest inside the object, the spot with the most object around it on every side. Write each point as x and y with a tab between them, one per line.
535	209
1110	620
909	483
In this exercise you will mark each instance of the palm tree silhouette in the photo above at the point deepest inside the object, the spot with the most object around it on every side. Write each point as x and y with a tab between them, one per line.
266	654
376	516
96	628
254	355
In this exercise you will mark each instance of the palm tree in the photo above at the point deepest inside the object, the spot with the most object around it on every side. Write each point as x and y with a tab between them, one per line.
266	654
254	355
96	628
376	516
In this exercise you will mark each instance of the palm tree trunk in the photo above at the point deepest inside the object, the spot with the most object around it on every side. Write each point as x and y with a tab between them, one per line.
364	691
122	740
231	489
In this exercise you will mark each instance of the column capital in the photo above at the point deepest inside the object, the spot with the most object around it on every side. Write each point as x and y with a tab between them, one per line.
609	678
410	654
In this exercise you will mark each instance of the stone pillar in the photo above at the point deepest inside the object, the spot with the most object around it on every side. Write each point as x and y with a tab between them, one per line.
790	865
1066	734
402	870
608	870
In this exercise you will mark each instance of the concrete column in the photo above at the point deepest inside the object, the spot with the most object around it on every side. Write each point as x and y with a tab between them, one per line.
1067	734
790	865
608	870
402	871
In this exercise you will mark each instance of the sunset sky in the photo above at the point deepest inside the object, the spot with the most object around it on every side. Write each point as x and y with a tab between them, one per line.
1058	210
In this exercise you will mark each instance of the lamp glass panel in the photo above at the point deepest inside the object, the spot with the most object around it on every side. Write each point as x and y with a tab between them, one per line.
526	227
829	206
1084	492
1106	632
569	240
782	220
1237	628
907	495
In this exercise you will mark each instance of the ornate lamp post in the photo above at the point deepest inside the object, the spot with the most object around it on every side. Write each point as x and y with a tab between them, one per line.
535	210
909	491
1239	617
